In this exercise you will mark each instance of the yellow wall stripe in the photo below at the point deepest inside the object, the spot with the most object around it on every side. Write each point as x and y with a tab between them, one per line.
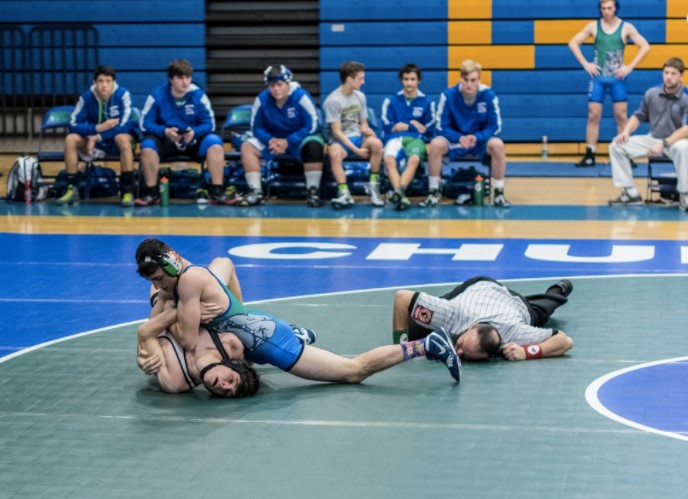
677	8
558	31
495	56
677	30
469	9
658	55
469	32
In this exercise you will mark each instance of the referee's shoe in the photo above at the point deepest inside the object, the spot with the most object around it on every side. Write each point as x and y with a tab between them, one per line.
438	347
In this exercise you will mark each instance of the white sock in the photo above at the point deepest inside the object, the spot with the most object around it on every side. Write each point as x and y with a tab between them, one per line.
434	183
313	178
591	147
253	181
498	184
632	191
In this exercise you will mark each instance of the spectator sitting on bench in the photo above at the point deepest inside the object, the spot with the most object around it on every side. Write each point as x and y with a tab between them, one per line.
468	122
99	128
178	120
665	107
408	119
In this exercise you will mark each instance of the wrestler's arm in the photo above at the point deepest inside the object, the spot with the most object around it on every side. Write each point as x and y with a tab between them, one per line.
153	353
190	290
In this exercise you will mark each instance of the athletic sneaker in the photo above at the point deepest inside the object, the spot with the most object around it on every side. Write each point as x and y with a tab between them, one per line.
433	199
344	200
375	197
625	199
253	198
127	200
312	197
147	200
229	197
588	159
499	200
69	197
307	336
439	347
400	201
202	196
564	287
683	202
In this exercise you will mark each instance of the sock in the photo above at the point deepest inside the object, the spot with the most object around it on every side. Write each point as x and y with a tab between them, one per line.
632	191
413	349
71	179
498	184
589	149
341	188
126	182
374	178
253	181
313	179
434	183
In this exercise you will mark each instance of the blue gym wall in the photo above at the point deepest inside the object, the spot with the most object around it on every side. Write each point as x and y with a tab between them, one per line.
138	38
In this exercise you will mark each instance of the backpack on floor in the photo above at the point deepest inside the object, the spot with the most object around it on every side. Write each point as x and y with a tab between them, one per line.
26	168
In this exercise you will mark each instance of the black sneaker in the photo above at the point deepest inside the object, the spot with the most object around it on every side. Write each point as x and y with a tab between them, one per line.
563	287
229	197
499	200
312	197
588	160
625	199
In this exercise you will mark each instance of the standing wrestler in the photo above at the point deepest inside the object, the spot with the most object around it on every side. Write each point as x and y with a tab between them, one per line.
607	70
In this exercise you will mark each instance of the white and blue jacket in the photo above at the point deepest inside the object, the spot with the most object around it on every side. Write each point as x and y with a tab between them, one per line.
455	118
162	111
89	112
397	109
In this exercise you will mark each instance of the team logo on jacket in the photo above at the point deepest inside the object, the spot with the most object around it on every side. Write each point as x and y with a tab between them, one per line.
482	107
417	112
113	112
190	109
422	314
291	113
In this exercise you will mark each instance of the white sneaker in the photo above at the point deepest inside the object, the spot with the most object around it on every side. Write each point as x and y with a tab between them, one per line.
375	197
344	200
433	199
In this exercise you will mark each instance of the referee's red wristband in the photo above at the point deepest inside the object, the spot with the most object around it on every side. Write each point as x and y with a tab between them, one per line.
533	351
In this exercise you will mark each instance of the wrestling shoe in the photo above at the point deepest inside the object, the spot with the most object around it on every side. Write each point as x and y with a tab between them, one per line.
229	197
433	199
565	287
344	200
438	347
625	199
307	336
69	197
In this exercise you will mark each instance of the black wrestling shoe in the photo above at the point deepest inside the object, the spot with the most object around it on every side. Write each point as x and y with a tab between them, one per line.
563	287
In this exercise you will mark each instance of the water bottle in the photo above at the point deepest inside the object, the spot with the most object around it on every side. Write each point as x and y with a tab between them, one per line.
478	190
545	149
164	191
27	191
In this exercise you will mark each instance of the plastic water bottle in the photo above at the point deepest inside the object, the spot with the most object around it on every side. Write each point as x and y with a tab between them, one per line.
164	191
478	191
27	191
545	149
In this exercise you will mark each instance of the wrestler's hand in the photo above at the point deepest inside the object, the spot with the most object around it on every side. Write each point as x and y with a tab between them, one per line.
210	311
149	364
512	351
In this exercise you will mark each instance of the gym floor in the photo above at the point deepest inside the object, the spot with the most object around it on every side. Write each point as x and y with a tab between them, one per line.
610	419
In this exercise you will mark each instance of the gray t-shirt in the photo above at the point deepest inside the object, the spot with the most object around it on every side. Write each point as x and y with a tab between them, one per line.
665	112
348	110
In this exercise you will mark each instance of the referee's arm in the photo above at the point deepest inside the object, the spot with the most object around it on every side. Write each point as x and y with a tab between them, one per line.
554	346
